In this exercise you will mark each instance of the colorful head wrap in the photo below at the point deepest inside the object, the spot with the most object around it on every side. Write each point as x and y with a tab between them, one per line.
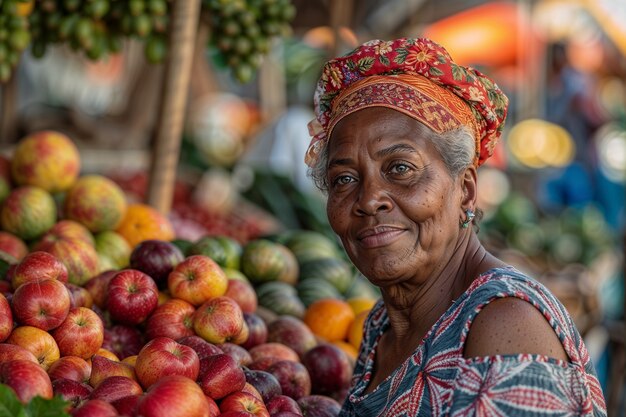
416	77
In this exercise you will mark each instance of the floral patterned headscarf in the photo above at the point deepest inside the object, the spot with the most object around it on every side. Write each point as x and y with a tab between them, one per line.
416	77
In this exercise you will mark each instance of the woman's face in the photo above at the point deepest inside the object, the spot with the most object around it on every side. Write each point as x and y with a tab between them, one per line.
391	199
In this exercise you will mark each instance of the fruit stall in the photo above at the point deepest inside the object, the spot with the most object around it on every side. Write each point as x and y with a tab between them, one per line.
162	252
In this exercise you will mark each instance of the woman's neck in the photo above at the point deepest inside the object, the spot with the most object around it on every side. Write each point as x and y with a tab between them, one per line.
414	307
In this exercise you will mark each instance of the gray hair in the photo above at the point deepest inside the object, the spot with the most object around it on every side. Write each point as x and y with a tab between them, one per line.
456	147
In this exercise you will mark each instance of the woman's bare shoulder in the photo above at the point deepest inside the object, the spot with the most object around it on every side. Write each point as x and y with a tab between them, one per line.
512	326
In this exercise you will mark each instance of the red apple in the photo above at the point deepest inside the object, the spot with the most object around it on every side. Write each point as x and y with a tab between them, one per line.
243	293
132	296
123	340
5	289
70	390
9	352
43	304
127	406
214	409
319	406
218	320
6	318
242	401
263	364
242	336
329	368
249	388
201	346
39	342
79	296
81	333
164	356
38	266
103	368
95	408
98	287
173	396
293	377
156	258
292	332
286	414
197	279
64	230
283	404
116	387
70	367
26	378
236	413
239	354
274	350
257	330
264	382
220	375
173	319
13	245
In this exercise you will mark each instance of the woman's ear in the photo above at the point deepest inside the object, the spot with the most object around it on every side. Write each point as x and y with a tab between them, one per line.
469	184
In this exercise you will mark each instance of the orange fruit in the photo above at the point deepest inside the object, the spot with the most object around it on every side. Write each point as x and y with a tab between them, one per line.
350	350
355	332
329	318
359	304
142	222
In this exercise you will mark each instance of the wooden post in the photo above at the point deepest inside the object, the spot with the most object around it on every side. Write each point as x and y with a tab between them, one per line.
340	15
8	113
183	27
272	84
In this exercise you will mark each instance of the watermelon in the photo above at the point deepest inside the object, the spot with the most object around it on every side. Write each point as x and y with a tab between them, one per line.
264	261
280	298
308	244
334	270
224	250
314	289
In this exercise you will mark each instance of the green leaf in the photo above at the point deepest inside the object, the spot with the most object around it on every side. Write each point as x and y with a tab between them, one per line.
41	407
435	71
365	64
384	60
10	405
401	54
458	73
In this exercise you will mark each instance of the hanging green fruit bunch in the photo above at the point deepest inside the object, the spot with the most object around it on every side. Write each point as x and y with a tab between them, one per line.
14	34
242	30
97	27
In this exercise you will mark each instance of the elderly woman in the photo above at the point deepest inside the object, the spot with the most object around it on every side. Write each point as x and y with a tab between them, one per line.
399	134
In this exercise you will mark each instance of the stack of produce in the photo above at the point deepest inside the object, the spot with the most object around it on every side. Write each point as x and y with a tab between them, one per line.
104	311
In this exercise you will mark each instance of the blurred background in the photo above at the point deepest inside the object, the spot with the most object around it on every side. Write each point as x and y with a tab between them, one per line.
553	194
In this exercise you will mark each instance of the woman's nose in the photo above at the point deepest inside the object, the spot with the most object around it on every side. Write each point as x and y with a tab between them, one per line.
372	198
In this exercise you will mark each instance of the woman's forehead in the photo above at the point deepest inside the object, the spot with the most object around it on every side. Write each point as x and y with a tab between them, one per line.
380	124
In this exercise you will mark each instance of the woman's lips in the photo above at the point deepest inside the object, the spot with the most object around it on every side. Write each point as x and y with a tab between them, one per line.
379	236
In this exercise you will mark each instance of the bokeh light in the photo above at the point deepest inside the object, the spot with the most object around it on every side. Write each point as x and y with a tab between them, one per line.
611	147
537	143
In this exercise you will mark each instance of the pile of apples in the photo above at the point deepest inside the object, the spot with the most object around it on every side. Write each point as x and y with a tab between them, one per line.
170	335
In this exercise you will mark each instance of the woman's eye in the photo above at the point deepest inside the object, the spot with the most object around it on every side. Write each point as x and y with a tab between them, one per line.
399	168
343	179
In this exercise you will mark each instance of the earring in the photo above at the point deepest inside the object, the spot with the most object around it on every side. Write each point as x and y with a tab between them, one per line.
468	219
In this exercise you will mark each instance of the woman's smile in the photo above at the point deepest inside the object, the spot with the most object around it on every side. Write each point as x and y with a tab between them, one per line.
379	236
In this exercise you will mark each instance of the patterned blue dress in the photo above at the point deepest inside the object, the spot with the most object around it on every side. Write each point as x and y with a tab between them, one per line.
438	381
